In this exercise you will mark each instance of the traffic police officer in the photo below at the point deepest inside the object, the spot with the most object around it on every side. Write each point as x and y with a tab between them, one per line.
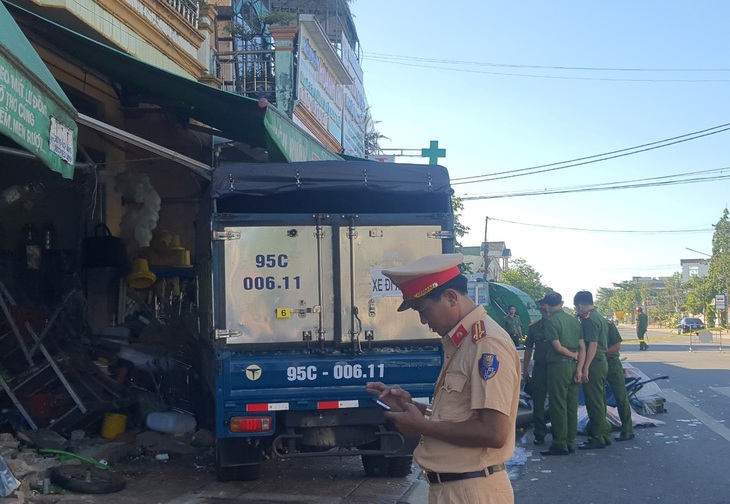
468	430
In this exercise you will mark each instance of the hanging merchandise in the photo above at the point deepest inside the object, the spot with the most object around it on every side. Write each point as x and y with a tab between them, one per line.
104	250
48	236
141	277
31	248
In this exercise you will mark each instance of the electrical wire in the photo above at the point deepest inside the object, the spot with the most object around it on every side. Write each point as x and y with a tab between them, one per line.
397	57
555	77
598	187
621	231
700	133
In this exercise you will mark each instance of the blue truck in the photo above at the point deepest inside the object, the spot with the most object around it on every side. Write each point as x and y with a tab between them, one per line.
301	317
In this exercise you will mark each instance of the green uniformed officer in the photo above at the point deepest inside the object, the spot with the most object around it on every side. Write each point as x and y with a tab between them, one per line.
594	371
513	325
564	334
617	383
538	381
642	324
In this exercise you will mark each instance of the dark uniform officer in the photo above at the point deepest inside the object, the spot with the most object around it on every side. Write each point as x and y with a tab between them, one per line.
564	334
642	324
468	431
513	325
537	383
617	382
595	369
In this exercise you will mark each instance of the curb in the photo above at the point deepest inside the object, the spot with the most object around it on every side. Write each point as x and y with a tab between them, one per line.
416	494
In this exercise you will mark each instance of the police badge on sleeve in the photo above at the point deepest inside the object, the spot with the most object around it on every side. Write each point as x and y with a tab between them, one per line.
488	366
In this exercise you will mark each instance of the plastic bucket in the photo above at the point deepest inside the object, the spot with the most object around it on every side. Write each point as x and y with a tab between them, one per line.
113	425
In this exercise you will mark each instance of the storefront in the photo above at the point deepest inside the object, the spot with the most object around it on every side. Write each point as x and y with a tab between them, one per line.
147	143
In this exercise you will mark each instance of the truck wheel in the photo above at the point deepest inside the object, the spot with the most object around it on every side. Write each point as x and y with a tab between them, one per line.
399	467
87	479
375	465
249	472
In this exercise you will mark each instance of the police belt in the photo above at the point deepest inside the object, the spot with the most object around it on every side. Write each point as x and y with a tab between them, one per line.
435	478
564	359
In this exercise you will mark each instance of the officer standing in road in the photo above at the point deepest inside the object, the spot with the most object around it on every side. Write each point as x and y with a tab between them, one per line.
468	430
564	356
642	324
617	382
594	371
513	325
537	383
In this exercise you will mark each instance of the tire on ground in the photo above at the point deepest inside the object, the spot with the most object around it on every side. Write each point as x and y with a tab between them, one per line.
375	465
87	479
399	467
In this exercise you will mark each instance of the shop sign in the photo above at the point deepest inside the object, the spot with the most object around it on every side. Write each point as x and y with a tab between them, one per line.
319	90
294	143
34	120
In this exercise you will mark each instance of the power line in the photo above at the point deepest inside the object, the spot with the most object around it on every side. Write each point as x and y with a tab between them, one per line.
368	55
565	228
519	170
597	187
636	150
557	77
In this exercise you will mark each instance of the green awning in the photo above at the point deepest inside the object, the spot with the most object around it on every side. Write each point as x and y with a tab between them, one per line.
34	111
235	117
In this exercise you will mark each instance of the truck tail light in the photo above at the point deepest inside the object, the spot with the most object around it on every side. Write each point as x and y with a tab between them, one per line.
250	424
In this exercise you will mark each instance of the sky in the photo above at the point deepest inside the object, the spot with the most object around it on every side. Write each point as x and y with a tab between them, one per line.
505	86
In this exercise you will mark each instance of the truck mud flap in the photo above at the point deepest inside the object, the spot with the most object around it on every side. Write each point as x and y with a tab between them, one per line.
279	447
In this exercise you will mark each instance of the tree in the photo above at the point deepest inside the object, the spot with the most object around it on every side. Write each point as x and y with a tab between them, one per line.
603	295
526	278
719	272
699	295
623	301
372	136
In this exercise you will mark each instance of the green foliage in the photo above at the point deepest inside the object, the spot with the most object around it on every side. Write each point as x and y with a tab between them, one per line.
460	230
678	299
623	300
698	296
526	278
372	136
280	18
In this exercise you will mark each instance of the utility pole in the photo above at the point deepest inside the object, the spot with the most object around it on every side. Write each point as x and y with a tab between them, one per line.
485	249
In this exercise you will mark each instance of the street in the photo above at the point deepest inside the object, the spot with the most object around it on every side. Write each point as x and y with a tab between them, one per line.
684	460
681	461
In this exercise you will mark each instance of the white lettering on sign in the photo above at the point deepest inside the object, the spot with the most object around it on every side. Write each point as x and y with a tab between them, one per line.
382	286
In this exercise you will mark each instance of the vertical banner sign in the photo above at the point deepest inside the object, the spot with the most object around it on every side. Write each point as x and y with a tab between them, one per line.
319	90
355	106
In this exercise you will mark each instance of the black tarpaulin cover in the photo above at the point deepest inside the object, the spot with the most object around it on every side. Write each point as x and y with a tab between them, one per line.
331	186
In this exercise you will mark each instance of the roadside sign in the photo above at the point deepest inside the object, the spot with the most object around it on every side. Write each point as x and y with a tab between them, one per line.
720	302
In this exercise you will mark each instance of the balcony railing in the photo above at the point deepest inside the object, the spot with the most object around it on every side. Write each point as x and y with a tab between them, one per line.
248	73
189	9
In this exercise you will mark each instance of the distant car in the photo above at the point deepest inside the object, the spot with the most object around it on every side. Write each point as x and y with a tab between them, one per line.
689	324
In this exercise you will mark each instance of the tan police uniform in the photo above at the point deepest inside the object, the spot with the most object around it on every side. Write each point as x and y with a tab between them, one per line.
481	371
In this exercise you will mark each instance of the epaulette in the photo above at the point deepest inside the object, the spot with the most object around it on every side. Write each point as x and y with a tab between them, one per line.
478	331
